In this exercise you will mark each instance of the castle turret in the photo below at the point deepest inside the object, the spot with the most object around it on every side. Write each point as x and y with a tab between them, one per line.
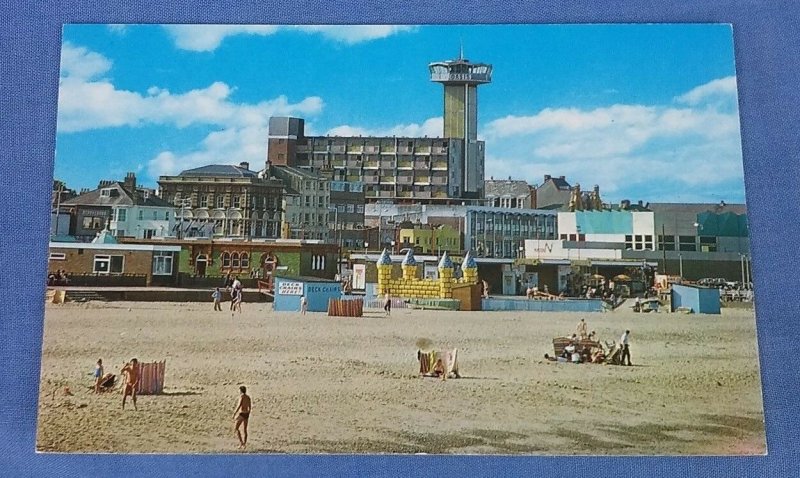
384	266
409	266
445	277
469	269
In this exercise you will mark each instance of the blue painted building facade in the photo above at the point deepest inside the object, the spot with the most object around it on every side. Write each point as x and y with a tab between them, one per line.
289	290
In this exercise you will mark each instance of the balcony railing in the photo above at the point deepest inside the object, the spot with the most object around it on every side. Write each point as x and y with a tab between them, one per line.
371	165
338	148
440	165
371	179
438	180
405	179
438	150
405	165
387	164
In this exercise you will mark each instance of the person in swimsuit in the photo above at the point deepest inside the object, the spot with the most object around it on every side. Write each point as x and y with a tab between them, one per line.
242	415
131	369
98	375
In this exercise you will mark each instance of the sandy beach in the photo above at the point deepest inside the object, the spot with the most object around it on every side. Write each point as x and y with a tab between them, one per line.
350	385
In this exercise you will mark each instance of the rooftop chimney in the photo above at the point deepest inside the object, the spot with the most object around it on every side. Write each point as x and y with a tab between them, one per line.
244	165
130	182
547	177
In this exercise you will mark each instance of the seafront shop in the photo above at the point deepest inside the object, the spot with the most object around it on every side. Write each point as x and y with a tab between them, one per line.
191	263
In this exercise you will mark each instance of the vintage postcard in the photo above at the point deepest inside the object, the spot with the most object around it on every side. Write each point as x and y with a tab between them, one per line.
464	239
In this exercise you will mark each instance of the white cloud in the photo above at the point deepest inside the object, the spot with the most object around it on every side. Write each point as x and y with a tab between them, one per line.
87	103
432	128
118	28
210	37
79	62
694	140
352	34
723	87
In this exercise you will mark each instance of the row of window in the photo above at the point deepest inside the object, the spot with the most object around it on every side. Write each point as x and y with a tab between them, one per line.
318	262
438	241
236	201
517	203
115	264
121	215
350	208
235	260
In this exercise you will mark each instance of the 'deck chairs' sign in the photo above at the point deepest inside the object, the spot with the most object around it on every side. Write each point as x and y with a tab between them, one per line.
290	288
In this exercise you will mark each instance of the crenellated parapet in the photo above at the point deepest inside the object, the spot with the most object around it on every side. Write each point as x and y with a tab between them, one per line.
408	285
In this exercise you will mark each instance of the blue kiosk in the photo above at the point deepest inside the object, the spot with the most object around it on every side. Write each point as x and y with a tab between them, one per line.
700	300
288	291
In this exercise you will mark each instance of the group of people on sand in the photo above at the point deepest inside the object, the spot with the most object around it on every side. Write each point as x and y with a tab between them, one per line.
584	347
234	286
103	382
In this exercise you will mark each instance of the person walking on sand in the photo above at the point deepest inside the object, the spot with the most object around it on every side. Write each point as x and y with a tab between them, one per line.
303	304
242	416
217	296
236	303
131	370
626	351
387	303
236	292
98	375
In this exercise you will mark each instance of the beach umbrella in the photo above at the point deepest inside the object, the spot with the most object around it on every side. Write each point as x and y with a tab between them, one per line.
622	277
597	276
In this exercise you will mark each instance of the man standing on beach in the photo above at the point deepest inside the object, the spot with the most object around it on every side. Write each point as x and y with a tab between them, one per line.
303	304
626	352
582	329
387	304
242	415
131	369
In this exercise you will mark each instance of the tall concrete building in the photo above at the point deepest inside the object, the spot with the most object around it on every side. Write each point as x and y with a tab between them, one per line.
446	170
461	79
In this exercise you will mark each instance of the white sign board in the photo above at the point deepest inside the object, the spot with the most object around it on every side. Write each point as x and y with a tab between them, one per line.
431	271
359	276
290	288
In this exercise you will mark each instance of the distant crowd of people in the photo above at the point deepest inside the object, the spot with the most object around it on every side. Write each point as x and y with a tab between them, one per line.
59	277
584	347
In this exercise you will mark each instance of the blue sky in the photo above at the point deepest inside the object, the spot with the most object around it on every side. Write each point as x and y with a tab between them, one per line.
645	111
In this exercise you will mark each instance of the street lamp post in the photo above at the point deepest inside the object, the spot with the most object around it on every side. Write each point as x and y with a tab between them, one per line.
664	249
338	239
578	229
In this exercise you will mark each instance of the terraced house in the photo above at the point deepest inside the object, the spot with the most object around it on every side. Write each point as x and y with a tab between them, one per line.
222	200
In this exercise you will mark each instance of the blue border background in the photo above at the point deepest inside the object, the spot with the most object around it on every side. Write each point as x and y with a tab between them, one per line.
766	38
